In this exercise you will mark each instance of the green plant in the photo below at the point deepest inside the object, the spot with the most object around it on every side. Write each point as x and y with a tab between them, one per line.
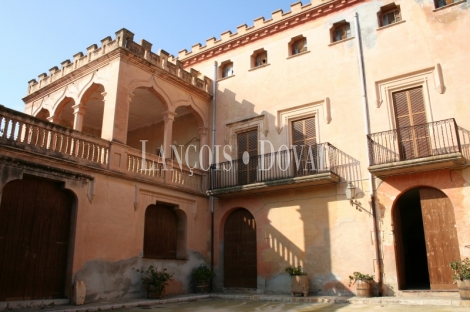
154	277
295	271
203	273
358	276
460	269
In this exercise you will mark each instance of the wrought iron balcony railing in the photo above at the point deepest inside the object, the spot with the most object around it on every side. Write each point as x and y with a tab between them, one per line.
425	140
287	164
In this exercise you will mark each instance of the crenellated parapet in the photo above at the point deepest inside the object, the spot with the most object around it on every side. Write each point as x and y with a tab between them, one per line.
261	28
124	40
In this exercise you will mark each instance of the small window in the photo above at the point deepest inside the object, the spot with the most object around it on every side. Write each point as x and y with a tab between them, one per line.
389	14
227	70
297	45
259	58
441	3
340	31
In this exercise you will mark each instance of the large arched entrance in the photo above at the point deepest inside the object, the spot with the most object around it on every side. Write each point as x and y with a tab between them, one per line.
425	239
35	216
240	250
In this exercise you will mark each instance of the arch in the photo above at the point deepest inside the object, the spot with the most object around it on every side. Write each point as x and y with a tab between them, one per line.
240	249
43	114
195	110
38	267
153	86
92	101
70	91
63	114
423	219
94	80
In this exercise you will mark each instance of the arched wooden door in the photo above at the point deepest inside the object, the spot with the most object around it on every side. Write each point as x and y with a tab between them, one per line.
433	231
35	217
240	250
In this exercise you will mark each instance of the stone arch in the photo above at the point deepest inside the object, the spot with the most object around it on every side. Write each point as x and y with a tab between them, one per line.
91	108
63	113
154	88
195	110
43	114
95	80
69	91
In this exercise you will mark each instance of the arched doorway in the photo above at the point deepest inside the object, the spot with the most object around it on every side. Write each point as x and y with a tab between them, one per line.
35	216
425	239
240	250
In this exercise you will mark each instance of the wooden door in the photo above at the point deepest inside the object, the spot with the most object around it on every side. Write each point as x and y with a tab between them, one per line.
413	132
160	232
247	142
304	139
35	219
399	252
440	231
240	250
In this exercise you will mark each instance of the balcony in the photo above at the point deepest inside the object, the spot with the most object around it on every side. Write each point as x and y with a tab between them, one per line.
282	170
36	142
430	146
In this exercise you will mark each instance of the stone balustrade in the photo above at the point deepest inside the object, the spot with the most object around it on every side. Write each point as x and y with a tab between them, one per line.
33	137
124	39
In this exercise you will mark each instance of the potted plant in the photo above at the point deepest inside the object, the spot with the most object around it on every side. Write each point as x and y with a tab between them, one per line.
299	280
363	283
202	277
461	274
155	281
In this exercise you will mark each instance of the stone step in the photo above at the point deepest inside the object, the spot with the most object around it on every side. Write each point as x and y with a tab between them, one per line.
453	294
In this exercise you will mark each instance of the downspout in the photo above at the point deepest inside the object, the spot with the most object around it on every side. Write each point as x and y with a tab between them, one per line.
211	198
360	58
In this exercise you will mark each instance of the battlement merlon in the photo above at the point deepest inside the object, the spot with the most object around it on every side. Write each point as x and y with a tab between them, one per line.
310	10
124	39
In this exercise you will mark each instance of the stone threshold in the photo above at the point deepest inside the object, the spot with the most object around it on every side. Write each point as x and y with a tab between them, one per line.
133	303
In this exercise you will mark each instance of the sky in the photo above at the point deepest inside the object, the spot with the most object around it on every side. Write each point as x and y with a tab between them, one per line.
39	34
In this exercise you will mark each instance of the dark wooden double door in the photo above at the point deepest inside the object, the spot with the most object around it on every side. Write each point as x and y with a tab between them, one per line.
240	269
425	239
35	217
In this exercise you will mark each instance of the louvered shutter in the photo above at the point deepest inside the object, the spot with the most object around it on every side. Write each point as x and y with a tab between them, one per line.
411	123
304	138
247	142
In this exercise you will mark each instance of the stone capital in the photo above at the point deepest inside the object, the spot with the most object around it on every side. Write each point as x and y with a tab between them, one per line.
202	130
79	108
167	115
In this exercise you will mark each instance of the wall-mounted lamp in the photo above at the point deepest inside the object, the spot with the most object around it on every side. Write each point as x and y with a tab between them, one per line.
351	196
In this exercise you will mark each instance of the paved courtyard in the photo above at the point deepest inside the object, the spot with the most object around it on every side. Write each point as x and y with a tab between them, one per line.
224	305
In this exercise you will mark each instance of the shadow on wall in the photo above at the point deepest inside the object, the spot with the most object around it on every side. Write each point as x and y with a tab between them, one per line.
298	227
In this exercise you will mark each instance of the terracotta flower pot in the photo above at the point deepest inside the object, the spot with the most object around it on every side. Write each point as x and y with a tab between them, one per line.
464	289
364	288
299	285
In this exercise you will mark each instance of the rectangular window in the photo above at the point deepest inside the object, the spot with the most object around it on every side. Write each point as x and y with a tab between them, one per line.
304	139
391	17
247	152
441	3
342	32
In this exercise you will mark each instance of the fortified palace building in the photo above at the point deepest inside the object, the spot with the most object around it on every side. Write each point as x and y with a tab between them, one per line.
341	131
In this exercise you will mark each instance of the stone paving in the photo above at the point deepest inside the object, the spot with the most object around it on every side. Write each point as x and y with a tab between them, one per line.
230	302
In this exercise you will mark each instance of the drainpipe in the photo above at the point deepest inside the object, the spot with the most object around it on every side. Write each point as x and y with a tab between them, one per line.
211	198
360	58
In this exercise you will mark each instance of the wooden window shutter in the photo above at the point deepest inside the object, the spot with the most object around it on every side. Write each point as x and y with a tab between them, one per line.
247	142
160	232
413	131
304	137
